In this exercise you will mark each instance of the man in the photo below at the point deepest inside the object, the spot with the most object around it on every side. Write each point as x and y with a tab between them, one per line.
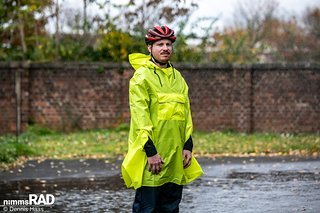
159	160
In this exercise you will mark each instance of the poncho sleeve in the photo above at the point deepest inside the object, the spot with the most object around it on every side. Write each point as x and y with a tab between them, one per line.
140	131
139	101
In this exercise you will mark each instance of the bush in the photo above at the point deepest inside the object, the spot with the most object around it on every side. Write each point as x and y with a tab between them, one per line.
11	149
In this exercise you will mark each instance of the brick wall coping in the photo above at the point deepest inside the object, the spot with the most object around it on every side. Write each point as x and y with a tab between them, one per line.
61	65
181	66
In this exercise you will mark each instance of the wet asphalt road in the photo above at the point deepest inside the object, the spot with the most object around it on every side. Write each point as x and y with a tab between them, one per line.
263	184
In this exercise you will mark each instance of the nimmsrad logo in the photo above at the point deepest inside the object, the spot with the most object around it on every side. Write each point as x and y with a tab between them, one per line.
34	199
35	203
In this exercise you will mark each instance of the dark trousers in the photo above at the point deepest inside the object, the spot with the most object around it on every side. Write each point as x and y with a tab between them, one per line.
161	199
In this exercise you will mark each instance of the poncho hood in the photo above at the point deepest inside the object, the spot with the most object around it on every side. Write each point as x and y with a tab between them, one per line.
138	59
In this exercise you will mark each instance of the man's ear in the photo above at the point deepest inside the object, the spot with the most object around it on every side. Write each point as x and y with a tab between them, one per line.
149	48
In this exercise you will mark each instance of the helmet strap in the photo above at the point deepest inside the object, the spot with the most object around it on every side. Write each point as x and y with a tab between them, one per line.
158	62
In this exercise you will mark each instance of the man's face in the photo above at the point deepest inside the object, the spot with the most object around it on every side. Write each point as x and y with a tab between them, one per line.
161	50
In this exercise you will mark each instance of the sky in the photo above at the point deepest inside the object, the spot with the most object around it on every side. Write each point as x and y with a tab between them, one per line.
223	9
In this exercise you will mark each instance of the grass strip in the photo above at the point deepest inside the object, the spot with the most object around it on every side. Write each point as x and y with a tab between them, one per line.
39	142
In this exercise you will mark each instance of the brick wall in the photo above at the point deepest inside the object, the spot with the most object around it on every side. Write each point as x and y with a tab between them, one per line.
76	96
7	101
262	98
67	96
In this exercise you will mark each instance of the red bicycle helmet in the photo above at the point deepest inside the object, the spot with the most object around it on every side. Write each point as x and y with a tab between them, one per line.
158	33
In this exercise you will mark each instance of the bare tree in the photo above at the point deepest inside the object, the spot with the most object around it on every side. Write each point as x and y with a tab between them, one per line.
312	21
136	16
253	15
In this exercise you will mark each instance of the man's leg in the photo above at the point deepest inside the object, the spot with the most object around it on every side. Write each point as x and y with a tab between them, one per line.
170	197
146	200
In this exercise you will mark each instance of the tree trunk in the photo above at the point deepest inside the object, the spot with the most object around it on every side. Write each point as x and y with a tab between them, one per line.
85	16
21	30
57	33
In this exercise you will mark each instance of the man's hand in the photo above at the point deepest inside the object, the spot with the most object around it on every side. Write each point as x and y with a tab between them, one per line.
155	163
186	154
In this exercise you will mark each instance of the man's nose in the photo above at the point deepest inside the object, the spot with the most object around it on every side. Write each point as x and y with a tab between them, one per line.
165	47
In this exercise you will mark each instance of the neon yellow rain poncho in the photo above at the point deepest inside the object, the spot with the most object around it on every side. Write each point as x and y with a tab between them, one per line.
160	110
